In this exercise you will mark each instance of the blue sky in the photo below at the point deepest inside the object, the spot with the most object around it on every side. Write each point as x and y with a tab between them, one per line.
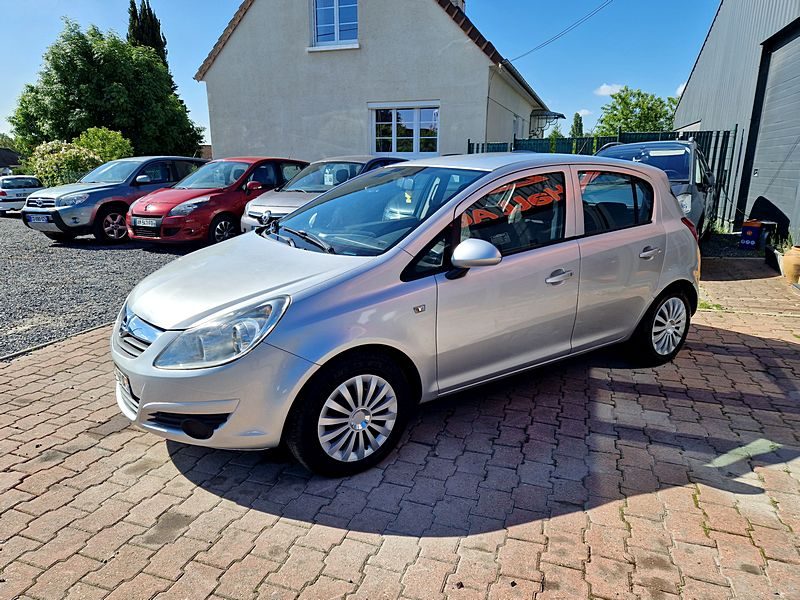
649	44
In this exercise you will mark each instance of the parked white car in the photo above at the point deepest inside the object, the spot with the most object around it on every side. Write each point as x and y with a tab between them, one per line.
414	281
15	189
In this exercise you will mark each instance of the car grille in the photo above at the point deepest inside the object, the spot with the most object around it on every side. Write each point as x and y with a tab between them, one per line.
130	401
175	420
147	232
41	202
134	335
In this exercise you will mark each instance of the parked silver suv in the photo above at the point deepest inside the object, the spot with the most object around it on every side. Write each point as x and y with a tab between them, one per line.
414	281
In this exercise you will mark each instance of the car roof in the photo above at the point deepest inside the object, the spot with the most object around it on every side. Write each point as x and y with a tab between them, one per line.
255	159
657	143
141	159
497	160
18	177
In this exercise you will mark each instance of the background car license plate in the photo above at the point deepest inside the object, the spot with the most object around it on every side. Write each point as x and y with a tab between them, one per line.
38	219
147	222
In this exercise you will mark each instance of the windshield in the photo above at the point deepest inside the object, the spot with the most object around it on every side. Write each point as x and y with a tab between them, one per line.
369	215
214	176
675	160
115	171
321	177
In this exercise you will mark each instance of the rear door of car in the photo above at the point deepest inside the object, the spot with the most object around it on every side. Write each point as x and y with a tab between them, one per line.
622	244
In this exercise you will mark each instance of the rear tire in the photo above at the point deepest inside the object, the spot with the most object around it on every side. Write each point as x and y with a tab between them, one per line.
336	437
662	331
109	225
60	237
222	228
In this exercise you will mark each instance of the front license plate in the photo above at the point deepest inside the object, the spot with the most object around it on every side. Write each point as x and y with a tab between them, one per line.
146	222
38	219
122	379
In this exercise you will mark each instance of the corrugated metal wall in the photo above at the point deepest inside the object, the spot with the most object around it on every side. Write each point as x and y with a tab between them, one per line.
777	153
722	85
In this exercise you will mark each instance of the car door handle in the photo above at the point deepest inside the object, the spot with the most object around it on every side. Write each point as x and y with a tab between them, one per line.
558	277
648	252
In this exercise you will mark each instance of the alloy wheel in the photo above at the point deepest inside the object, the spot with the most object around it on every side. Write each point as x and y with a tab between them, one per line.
669	326
224	231
114	226
357	418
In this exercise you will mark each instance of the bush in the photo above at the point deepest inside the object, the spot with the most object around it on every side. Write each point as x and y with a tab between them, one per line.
57	163
107	144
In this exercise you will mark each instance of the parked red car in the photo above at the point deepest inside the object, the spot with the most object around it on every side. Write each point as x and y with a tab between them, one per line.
208	204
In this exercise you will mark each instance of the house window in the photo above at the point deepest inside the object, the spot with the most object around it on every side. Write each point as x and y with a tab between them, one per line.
335	21
406	130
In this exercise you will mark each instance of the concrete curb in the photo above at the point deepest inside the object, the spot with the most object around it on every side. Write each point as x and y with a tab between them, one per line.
13	355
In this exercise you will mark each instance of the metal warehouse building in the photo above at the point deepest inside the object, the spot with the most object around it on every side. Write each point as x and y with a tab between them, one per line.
747	77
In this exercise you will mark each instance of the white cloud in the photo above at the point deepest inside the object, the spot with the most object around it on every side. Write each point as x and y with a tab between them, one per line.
584	112
608	88
681	87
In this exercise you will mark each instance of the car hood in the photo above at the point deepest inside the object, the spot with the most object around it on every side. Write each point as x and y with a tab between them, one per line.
74	188
160	202
213	279
289	200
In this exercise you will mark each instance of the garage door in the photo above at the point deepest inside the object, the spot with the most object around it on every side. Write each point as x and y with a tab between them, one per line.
776	165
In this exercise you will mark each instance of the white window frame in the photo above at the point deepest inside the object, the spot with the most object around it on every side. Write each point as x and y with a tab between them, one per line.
336	33
417	106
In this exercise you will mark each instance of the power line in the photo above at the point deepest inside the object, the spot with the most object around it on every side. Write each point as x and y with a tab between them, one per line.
564	32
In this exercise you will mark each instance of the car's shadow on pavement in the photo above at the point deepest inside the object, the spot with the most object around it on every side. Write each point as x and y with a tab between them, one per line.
588	433
90	244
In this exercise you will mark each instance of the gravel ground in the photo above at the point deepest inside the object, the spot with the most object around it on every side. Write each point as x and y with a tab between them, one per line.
727	245
49	290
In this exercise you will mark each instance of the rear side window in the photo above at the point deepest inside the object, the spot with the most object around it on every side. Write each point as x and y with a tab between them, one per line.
289	170
521	215
184	168
613	201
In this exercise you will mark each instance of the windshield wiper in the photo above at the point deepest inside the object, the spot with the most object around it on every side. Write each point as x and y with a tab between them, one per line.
310	237
272	229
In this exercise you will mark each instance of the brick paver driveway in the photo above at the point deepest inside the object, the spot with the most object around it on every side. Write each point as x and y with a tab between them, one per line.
589	479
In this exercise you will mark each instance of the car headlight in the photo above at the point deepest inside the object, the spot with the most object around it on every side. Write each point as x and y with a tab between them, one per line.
71	199
184	208
222	338
685	200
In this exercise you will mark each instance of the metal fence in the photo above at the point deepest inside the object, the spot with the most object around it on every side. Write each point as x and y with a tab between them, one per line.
718	147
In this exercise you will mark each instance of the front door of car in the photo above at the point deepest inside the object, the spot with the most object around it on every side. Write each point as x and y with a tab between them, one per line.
159	174
265	174
497	319
622	254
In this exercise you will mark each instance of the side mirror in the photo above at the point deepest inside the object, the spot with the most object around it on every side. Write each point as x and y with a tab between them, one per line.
142	179
475	253
253	186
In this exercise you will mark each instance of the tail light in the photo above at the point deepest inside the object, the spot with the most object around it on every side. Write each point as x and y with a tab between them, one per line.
691	227
2	193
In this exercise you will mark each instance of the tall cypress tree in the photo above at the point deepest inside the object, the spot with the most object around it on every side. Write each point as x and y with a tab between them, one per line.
144	28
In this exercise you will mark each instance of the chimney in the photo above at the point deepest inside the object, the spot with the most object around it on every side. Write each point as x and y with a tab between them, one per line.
460	4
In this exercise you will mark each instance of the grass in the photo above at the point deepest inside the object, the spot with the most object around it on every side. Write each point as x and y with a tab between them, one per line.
706	305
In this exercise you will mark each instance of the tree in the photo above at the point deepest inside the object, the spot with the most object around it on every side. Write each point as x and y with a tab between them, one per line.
635	110
107	144
91	79
555	133
576	130
57	163
144	29
6	141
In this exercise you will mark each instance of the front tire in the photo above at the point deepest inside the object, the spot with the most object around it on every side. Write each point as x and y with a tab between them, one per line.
109	225
663	330
349	416
222	228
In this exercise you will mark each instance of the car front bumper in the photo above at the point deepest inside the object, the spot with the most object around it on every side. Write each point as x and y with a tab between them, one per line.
74	220
168	229
247	400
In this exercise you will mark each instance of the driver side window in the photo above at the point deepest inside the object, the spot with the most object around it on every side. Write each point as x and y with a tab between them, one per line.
519	216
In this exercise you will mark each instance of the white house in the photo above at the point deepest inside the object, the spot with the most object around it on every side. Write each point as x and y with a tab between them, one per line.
318	78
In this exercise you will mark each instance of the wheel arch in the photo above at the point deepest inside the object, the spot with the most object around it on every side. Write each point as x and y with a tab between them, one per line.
112	202
686	287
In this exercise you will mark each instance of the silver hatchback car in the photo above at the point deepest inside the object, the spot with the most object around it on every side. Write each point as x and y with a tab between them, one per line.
325	330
